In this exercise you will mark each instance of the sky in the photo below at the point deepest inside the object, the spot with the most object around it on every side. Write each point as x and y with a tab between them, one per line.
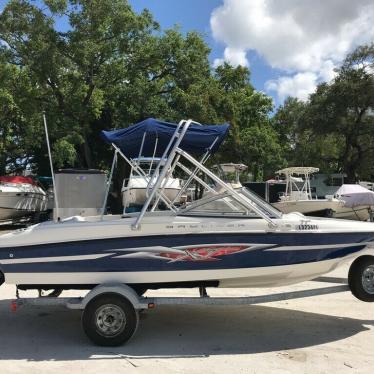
289	46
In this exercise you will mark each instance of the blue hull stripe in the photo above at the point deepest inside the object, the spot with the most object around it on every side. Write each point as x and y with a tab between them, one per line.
258	257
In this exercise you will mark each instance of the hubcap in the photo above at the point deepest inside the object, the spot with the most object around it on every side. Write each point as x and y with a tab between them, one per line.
368	279
110	320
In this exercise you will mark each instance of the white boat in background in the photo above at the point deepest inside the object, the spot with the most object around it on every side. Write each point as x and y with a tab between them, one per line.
227	171
358	202
298	195
20	197
135	189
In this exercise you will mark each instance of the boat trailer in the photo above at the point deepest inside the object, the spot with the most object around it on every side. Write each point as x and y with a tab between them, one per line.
110	312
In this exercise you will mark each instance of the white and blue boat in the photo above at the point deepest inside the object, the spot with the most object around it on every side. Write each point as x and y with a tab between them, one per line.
229	238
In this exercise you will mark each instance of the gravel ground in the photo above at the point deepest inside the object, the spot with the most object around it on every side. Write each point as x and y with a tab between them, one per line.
321	334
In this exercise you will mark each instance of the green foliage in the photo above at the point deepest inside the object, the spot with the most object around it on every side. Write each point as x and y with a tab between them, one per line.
114	67
334	130
261	150
73	70
19	132
65	153
111	68
251	140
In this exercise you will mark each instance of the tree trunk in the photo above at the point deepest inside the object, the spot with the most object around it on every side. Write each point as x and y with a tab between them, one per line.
351	175
87	154
86	150
346	159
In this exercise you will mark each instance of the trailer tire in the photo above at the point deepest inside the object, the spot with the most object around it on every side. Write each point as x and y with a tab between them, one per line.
361	278
2	278
109	320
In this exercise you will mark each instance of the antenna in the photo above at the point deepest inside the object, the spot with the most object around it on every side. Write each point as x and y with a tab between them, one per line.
51	165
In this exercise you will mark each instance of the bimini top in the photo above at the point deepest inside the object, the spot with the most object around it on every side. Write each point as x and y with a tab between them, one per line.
158	135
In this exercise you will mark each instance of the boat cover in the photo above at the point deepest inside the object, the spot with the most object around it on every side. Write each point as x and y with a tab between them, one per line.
196	141
355	195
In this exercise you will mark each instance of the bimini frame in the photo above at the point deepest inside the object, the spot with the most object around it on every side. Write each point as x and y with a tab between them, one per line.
167	164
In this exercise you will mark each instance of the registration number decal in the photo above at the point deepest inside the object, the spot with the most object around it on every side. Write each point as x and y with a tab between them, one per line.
307	226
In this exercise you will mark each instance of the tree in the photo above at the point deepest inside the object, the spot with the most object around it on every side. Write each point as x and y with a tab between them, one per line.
110	68
301	145
344	109
252	140
334	129
19	132
262	150
73	69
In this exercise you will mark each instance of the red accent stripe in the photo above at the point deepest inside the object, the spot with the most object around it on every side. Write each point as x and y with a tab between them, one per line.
208	253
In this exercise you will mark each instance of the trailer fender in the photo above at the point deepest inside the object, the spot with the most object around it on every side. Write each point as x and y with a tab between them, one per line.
115	288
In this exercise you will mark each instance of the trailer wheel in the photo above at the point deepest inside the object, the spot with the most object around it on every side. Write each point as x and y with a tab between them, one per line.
109	320
361	278
2	279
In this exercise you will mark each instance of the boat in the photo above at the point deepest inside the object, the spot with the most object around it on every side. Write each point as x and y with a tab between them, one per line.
230	173
298	195
47	185
135	189
245	243
358	202
20	197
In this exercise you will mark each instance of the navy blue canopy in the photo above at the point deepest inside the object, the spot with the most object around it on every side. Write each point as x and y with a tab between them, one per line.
196	141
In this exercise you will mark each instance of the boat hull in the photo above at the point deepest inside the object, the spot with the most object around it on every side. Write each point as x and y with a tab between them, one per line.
229	260
273	276
15	205
359	213
323	208
310	207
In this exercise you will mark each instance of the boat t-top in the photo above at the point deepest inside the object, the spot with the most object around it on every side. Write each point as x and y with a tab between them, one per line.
229	238
298	194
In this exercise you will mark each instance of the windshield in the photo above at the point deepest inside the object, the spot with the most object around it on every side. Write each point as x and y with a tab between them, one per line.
263	204
233	205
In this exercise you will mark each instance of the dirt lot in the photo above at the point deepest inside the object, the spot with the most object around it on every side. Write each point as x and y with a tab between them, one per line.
321	334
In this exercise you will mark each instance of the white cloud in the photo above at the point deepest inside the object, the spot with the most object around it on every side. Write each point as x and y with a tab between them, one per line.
300	85
233	56
305	39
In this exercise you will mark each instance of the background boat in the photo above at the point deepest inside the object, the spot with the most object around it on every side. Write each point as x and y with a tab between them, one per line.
135	188
298	194
20	197
357	202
